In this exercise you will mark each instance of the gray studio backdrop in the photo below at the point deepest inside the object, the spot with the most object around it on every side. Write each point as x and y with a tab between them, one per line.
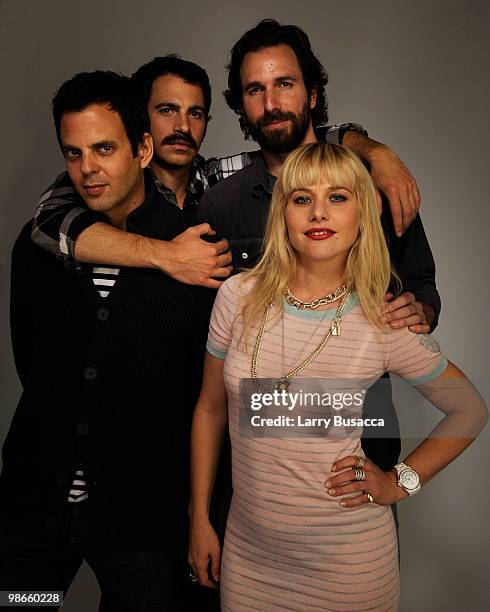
415	74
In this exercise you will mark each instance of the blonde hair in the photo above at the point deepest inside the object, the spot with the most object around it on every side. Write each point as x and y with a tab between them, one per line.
368	267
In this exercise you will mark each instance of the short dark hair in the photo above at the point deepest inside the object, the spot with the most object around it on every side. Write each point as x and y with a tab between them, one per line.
270	33
100	87
144	77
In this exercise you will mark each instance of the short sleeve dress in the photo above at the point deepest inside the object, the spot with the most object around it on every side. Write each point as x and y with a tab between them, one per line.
289	546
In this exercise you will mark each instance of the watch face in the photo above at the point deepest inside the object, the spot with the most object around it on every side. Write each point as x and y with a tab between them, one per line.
409	479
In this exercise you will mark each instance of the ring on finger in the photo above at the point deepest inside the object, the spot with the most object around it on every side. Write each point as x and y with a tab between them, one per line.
359	473
370	498
193	577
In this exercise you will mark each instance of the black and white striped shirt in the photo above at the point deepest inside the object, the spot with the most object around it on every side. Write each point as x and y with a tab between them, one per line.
104	278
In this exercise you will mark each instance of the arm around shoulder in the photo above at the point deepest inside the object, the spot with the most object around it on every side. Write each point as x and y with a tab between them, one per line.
61	216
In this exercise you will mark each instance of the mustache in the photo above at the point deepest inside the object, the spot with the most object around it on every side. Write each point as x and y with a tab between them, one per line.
180	138
272	117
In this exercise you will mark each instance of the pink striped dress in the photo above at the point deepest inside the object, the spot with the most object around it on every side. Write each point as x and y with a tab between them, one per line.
289	546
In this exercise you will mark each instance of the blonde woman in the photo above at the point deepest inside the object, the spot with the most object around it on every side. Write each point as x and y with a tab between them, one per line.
310	525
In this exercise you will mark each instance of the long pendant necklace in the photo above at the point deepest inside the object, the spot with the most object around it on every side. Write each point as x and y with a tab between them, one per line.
283	383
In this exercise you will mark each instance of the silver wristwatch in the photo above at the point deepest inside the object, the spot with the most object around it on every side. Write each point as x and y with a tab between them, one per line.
408	479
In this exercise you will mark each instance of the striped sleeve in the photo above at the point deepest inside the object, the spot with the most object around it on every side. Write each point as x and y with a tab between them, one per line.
223	318
416	358
61	216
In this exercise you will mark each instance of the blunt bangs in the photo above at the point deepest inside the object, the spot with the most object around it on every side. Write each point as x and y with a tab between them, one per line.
312	164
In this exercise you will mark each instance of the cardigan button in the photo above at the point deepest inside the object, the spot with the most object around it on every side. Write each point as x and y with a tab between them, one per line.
244	255
102	314
90	373
82	429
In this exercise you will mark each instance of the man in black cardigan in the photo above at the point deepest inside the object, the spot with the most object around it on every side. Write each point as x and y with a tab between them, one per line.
110	360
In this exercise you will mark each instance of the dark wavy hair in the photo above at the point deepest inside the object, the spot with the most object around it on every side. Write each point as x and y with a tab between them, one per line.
171	64
100	87
270	33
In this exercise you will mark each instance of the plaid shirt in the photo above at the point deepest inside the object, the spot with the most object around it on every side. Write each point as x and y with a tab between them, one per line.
61	215
197	184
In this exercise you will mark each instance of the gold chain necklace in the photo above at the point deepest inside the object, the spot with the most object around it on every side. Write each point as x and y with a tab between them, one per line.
283	383
328	299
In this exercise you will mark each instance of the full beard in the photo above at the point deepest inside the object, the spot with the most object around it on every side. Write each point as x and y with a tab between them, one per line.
281	140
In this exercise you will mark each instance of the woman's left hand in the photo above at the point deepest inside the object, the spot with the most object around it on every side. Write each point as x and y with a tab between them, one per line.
381	486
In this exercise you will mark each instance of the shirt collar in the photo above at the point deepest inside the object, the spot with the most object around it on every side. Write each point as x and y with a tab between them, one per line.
156	217
196	186
262	179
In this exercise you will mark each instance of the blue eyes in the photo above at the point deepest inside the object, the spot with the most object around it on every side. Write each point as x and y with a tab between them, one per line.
334	197
302	200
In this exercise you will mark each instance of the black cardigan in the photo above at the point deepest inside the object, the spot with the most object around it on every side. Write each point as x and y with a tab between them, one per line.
112	382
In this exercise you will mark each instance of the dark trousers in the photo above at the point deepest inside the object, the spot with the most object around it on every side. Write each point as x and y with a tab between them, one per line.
147	581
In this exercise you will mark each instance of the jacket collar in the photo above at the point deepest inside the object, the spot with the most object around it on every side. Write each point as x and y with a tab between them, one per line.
261	178
156	217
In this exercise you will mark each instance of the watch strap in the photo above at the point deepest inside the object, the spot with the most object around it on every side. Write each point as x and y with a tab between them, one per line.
334	134
400	467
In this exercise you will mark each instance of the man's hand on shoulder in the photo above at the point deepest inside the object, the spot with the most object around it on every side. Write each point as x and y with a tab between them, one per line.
391	177
191	260
405	311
